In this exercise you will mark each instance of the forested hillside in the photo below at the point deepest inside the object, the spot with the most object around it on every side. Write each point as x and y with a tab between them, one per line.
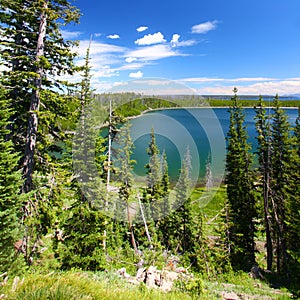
54	218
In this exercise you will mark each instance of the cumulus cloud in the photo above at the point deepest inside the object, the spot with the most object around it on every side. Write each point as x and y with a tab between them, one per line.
113	36
176	43
204	27
138	74
133	66
175	39
141	28
151	39
70	34
104	59
153	52
245	85
98	48
98	34
130	59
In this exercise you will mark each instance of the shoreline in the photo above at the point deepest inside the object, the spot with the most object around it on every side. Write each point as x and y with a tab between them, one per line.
199	107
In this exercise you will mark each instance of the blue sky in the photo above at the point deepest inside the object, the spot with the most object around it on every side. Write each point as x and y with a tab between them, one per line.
209	46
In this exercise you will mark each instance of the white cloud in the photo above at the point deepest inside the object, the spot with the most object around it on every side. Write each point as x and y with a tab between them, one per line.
130	59
113	36
176	43
133	66
151	39
250	79
141	28
136	75
201	79
186	43
103	59
70	34
175	39
246	86
153	87
243	79
98	48
98	34
204	27
153	52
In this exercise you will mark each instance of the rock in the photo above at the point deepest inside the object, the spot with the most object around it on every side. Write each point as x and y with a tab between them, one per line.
170	275
140	274
123	273
153	278
134	281
167	280
230	296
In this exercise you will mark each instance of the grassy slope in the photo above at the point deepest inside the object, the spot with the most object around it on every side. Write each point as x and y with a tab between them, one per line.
83	285
108	285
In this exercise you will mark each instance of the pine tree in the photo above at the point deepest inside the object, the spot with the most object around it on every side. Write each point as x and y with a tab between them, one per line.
293	218
182	217
150	204
153	192
263	151
10	199
280	182
82	241
165	183
84	226
221	251
124	174
240	187
33	50
164	229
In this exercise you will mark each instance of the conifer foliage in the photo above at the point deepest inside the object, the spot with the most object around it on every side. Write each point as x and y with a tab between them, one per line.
264	159
10	200
35	54
239	180
281	187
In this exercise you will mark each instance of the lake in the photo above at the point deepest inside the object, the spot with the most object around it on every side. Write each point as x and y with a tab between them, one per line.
200	130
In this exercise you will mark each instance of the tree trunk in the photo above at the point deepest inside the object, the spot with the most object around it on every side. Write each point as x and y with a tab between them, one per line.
266	187
131	229
145	222
34	106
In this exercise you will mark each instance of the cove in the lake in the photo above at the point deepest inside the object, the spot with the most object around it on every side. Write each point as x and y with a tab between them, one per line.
201	130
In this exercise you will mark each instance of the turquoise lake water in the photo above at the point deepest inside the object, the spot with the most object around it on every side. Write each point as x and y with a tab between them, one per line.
201	130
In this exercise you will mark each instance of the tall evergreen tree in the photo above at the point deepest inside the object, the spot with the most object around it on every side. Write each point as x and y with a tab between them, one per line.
84	226
153	191
150	204
182	217
164	229
124	174
280	183
34	52
293	219
264	153
240	187
10	199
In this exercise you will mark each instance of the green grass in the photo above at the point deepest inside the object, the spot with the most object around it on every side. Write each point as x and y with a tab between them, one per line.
82	285
75	285
212	210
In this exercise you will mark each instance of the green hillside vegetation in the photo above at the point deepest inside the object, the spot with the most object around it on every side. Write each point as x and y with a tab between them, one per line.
130	104
71	216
